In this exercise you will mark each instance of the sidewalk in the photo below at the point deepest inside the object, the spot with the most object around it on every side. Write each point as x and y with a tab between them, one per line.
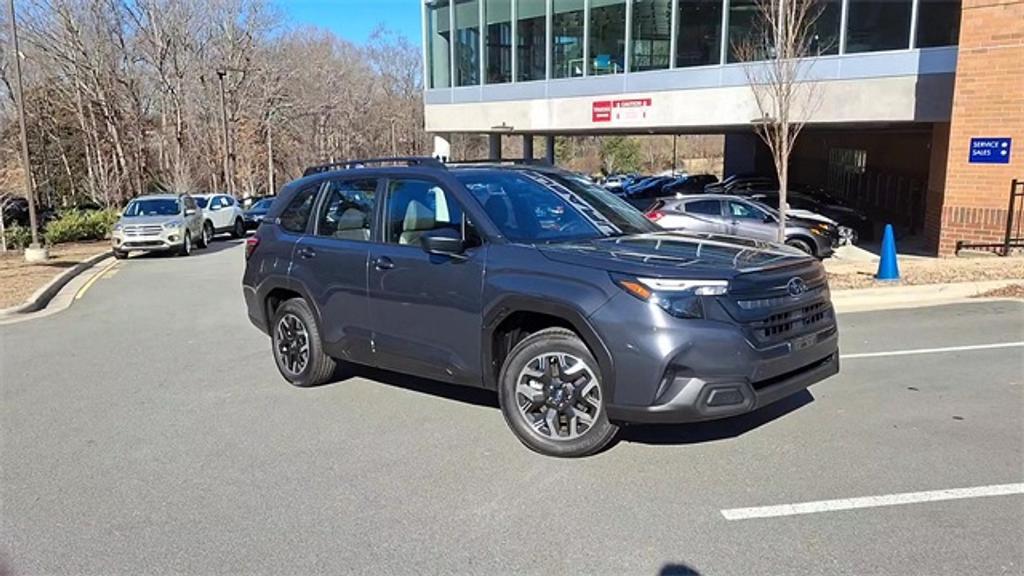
19	280
855	268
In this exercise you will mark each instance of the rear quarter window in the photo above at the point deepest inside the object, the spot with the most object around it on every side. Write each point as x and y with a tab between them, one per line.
295	216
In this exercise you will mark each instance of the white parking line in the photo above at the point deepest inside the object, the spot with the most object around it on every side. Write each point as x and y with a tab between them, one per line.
932	350
872	501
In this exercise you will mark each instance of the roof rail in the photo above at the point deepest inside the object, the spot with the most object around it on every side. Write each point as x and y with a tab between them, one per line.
350	164
503	161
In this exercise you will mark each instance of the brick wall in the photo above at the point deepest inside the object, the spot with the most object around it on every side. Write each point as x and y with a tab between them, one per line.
988	102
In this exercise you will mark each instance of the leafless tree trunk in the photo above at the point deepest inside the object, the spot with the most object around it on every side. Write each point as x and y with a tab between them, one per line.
776	68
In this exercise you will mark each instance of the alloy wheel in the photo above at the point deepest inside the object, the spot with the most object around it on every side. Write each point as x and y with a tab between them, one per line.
558	396
292	344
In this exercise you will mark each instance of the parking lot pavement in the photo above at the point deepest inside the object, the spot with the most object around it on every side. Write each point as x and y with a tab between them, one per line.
145	430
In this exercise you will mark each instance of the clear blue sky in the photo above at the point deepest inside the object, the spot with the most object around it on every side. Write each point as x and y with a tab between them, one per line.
355	19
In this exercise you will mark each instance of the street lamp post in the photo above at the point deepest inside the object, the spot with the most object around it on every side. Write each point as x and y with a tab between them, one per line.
224	121
35	252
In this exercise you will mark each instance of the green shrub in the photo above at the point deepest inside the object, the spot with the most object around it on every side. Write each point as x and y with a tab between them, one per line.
18	237
76	225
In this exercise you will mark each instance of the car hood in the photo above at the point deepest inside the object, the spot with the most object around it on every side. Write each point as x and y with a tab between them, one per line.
807	215
676	255
144	220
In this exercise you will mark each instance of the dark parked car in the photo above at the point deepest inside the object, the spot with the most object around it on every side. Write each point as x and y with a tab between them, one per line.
255	214
849	218
537	284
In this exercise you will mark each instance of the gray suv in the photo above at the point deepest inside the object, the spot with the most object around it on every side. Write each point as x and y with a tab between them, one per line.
537	284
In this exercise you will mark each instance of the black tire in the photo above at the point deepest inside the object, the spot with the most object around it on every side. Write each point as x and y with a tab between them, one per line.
238	230
552	341
118	254
318	367
207	234
801	245
186	244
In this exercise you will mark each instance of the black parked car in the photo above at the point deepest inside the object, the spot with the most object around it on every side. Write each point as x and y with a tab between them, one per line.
255	213
537	284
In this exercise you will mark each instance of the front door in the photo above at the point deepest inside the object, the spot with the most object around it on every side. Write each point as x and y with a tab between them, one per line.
335	256
426	309
750	221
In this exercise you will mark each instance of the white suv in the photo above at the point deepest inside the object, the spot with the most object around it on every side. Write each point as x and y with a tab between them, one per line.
222	213
160	223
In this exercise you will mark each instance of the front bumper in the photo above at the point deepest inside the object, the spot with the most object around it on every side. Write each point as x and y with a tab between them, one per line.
671	371
165	240
252	222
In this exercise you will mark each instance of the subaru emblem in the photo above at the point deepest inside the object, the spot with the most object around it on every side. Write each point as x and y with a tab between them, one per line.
796	287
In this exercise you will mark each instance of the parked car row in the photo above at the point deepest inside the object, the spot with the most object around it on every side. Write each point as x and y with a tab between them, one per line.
178	223
809	208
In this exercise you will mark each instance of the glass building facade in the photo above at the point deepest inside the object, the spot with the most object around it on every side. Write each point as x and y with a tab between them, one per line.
474	42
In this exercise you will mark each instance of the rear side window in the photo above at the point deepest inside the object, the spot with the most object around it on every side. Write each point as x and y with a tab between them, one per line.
347	211
707	207
295	216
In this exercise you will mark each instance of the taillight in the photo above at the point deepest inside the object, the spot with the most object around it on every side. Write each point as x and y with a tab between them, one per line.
250	245
654	215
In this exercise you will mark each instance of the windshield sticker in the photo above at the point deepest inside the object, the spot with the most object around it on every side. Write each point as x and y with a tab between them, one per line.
588	211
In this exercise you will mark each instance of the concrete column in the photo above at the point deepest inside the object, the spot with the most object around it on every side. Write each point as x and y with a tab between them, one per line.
494	146
549	149
745	153
527	147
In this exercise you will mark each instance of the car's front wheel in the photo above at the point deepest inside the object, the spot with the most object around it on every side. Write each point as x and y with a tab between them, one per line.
551	395
239	228
298	351
801	245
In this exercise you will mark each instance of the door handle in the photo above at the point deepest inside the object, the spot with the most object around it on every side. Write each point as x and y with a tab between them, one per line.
383	263
306	253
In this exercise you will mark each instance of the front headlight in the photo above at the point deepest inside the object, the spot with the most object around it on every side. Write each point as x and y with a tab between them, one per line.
118	227
173	224
680	298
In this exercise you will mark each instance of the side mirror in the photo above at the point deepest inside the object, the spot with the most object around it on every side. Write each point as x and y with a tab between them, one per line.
768	218
444	242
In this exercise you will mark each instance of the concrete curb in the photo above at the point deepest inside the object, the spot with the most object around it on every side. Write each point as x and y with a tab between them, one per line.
884	298
41	297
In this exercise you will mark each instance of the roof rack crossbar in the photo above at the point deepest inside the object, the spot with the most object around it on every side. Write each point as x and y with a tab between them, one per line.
516	161
350	164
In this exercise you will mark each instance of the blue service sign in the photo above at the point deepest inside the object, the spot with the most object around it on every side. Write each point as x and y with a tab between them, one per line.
990	150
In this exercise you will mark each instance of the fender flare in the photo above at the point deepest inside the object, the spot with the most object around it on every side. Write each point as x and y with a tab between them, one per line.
509	305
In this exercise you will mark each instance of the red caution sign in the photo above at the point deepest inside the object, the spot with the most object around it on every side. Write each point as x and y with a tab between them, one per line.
629	110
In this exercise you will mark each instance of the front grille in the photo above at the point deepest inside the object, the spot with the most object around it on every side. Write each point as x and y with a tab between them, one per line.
143	230
784	325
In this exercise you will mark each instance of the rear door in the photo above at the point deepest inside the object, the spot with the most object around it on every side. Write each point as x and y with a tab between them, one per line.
334	258
749	221
426	309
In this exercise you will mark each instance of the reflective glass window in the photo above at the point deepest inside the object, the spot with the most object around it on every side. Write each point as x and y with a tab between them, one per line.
699	33
498	41
652	35
438	49
878	25
567	39
607	36
531	39
467	42
938	23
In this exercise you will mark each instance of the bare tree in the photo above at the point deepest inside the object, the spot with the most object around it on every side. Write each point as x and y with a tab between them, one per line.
777	65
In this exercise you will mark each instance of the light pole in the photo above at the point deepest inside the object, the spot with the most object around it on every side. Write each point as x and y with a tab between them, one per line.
35	252
224	121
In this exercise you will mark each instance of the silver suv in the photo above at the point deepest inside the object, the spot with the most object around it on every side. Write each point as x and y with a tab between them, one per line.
160	223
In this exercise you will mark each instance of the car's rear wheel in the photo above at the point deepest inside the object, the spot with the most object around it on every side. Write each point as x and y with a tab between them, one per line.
551	396
120	254
186	244
239	229
801	245
298	351
207	236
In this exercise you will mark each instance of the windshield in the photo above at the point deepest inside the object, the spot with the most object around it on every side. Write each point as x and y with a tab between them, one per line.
530	207
201	201
262	205
152	207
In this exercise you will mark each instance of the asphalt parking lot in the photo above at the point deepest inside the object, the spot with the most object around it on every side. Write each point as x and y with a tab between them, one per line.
145	430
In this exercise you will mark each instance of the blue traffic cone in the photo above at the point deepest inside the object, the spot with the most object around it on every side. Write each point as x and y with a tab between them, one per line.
888	269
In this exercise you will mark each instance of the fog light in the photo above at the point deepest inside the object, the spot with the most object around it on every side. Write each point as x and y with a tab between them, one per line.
725	397
172	238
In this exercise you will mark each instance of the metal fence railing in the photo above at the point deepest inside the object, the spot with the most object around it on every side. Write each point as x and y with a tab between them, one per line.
1013	237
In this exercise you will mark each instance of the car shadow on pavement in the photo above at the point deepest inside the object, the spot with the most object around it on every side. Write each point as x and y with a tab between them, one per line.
700	432
672	569
466	394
